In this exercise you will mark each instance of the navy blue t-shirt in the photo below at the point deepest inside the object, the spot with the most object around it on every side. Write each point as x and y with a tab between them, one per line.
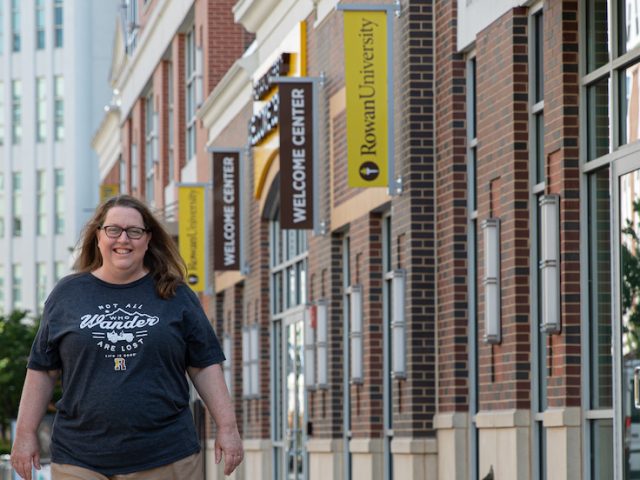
123	352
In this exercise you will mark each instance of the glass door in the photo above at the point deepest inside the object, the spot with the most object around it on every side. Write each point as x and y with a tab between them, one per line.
295	418
626	182
290	412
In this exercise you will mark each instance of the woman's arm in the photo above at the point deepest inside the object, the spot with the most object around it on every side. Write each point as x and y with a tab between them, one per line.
209	382
36	395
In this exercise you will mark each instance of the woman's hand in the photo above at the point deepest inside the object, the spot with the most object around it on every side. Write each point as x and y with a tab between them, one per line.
229	443
36	394
209	382
25	453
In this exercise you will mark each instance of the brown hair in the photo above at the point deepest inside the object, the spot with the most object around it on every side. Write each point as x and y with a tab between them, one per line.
162	257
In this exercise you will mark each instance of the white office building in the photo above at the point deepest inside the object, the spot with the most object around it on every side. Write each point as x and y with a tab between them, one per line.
54	66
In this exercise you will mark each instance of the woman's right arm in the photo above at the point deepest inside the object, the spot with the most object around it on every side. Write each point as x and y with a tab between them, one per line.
36	395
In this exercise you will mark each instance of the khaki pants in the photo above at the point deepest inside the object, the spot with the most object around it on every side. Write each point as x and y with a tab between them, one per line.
189	468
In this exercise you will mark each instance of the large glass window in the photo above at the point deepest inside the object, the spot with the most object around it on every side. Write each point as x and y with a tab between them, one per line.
2	301
59	201
58	108
1	28
134	167
130	19
40	33
41	203
150	147
41	109
15	25
1	106
597	34
16	112
58	24
170	120
537	189
610	95
472	209
190	98
288	267
123	174
2	205
17	203
41	285
16	281
59	270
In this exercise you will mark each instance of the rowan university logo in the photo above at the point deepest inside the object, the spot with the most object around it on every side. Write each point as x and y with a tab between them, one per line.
120	331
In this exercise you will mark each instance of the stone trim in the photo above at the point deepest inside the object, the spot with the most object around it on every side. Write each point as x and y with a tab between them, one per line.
503	419
324	445
448	421
365	445
562	417
412	446
256	445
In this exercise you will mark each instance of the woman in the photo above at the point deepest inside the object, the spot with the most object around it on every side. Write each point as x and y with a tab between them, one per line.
122	332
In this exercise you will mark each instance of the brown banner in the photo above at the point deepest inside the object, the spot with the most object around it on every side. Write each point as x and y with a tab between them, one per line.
226	211
296	154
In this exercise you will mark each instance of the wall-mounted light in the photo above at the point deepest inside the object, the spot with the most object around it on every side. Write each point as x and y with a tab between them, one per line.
309	346
398	325
355	318
492	312
246	363
254	355
321	342
549	264
226	366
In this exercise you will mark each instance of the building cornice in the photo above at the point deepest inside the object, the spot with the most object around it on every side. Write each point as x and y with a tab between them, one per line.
106	142
231	94
252	13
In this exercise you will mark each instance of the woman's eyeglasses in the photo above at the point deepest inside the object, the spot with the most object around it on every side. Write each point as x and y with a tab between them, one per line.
114	231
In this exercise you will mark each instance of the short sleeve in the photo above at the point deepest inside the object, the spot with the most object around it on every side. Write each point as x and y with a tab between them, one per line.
203	347
44	351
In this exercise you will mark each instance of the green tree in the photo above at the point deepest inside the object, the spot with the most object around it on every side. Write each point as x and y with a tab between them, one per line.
16	336
630	259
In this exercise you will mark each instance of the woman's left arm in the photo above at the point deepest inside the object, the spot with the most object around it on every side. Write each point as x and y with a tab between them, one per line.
209	383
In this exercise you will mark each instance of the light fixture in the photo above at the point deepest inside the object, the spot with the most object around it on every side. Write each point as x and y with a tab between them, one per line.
549	265
492	331
254	355
321	342
309	347
226	349
398	330
246	363
355	318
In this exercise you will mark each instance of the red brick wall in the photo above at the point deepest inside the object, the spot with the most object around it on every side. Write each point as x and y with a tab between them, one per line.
179	110
161	89
113	176
450	115
366	270
138	138
561	102
503	192
125	135
325	263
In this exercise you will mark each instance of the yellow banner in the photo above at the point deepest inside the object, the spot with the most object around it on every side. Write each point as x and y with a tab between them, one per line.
365	47
108	190
191	233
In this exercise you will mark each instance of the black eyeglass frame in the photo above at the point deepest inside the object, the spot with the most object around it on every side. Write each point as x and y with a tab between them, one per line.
128	230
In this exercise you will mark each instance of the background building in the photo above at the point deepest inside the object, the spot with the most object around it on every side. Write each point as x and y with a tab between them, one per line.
54	59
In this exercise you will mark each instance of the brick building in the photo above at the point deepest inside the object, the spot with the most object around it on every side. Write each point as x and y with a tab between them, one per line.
460	319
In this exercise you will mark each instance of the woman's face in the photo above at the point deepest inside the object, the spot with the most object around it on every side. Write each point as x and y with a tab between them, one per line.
123	257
